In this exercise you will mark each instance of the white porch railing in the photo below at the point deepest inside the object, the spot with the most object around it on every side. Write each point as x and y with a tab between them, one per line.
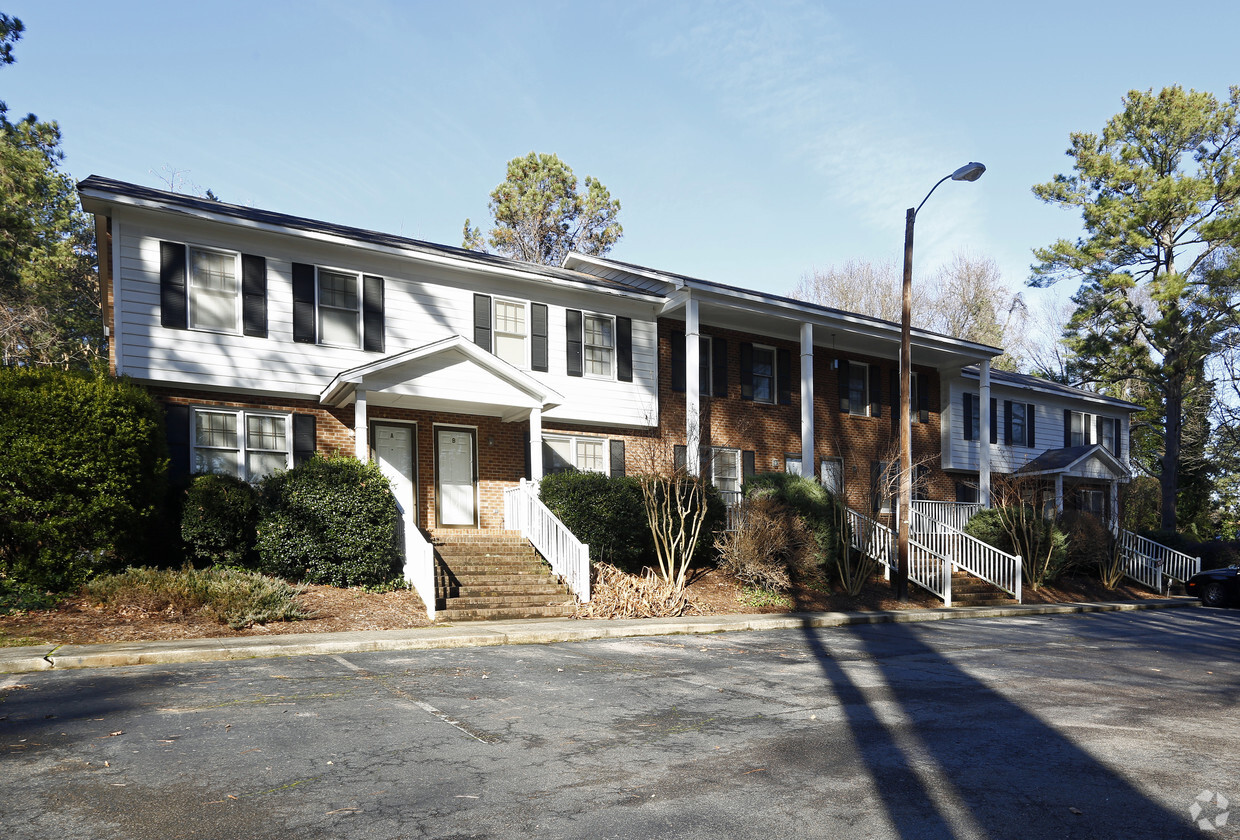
978	558
1148	562
955	514
927	568
419	568
568	556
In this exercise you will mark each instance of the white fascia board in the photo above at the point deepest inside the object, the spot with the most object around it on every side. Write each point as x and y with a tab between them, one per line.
108	200
1083	396
1098	451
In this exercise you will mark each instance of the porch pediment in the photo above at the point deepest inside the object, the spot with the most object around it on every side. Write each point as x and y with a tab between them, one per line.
451	375
1085	462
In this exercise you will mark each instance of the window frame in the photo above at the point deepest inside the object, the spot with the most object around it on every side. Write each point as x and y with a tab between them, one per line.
359	291
243	448
1085	419
754	377
715	460
864	368
586	346
526	337
838	487
574	442
192	306
1021	439
1111	425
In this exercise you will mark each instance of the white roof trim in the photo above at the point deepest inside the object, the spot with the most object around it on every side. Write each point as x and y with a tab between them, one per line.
1096	451
345	383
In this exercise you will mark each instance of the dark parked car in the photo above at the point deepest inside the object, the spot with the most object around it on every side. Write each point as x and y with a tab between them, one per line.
1216	587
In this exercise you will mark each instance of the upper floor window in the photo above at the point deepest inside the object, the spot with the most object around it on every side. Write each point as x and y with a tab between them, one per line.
510	332
1018	427
214	292
763	374
1110	434
600	345
249	445
339	308
858	389
1077	429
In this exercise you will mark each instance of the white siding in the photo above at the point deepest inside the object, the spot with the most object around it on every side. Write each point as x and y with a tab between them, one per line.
424	302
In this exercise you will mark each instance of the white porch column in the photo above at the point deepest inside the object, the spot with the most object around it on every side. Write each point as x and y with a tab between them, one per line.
693	409
361	427
808	467
983	435
1059	493
536	453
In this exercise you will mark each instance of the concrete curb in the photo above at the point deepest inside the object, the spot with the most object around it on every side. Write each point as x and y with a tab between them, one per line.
487	633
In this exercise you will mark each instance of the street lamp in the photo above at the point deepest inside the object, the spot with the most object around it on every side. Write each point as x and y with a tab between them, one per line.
969	172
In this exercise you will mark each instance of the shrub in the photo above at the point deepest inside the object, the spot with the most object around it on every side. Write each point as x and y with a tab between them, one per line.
82	463
618	594
821	511
234	597
219	520
1042	546
604	512
771	545
329	520
1089	539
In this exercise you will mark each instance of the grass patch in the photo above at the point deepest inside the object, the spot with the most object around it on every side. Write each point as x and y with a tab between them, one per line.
235	597
752	596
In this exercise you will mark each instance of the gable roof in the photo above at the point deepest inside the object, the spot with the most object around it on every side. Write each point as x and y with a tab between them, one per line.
1047	386
1069	460
97	193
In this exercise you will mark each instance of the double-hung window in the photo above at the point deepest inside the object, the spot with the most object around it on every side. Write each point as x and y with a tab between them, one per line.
249	445
858	389
599	336
725	469
831	474
214	291
763	374
511	331
339	308
568	454
1078	434
1109	434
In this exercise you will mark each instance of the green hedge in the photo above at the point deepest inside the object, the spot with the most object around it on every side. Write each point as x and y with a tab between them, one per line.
817	507
332	520
219	520
605	513
82	475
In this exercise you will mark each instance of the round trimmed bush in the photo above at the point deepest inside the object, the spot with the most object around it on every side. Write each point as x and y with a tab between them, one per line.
219	520
604	512
331	520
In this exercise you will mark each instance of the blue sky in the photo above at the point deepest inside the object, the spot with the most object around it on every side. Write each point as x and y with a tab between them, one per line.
748	142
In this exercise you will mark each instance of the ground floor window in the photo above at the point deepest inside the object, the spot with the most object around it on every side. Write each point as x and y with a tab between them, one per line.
725	470
831	474
250	445
570	453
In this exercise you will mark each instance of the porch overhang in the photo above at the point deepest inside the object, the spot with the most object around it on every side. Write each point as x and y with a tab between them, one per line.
452	375
1081	462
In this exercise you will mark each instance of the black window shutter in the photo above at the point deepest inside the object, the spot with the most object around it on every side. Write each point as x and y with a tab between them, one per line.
173	310
678	360
1098	421
783	375
176	427
1067	428
843	379
372	313
706	463
525	446
624	349
572	320
876	393
994	420
1029	415
748	464
617	458
303	304
1007	422
538	337
254	295
482	322
923	397
719	366
969	432
746	371
304	443
678	457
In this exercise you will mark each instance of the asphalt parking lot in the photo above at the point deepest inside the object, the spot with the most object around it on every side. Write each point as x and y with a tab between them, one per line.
1105	725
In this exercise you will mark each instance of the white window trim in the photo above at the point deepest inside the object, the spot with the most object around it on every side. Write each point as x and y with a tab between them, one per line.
318	305
867	398
242	435
527	338
753	376
585	346
715	452
189	289
1087	422
572	441
822	474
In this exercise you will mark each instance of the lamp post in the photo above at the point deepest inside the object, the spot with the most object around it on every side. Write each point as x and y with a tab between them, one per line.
969	172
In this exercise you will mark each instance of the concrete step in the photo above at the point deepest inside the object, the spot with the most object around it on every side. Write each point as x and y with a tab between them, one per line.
487	589
504	613
504	602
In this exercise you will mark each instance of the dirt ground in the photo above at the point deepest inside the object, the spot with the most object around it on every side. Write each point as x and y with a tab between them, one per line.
76	621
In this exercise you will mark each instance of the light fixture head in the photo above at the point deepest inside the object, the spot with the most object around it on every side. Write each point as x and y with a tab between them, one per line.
971	171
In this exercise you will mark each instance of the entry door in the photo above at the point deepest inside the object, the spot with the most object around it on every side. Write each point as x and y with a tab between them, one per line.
394	454
456	483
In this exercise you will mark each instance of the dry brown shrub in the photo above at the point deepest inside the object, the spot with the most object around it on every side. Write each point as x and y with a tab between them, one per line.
770	546
617	594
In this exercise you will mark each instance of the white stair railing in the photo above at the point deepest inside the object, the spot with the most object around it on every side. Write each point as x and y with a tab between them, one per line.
419	571
568	556
978	558
927	568
1148	562
955	514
